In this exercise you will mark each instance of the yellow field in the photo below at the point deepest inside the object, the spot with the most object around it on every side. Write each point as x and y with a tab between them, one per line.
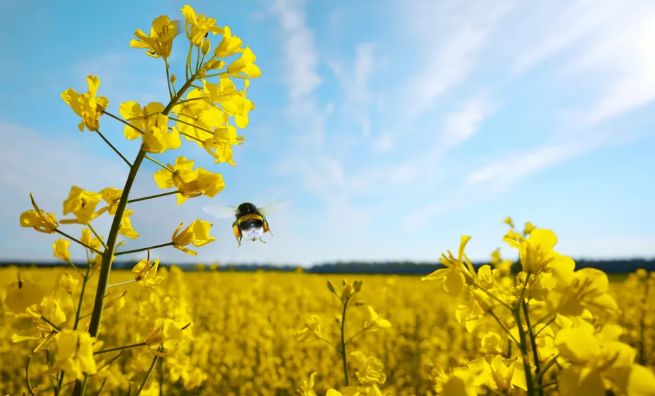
243	327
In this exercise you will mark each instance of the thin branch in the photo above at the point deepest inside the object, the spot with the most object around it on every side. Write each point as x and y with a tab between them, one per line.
97	236
114	148
77	240
152	196
145	248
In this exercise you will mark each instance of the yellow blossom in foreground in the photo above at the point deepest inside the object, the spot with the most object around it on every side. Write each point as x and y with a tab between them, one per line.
146	273
112	197
126	225
307	387
229	46
157	139
245	65
311	331
368	369
61	249
82	204
452	279
197	233
23	293
509	222
160	41
199	25
68	283
39	219
374	321
167	334
139	118
75	354
87	105
190	183
460	383
89	240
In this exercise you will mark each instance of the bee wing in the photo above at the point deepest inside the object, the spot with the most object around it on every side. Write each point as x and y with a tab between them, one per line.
266	210
220	212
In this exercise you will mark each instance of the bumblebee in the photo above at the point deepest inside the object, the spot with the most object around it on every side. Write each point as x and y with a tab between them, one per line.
250	223
250	220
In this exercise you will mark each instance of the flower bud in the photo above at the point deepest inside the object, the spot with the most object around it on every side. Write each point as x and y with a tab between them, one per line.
205	47
173	79
215	64
358	285
360	303
347	292
344	282
330	286
68	283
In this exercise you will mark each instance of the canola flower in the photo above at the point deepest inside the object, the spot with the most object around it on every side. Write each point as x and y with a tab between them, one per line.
204	115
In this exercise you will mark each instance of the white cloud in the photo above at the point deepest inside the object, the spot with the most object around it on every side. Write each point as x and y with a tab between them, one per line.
301	58
451	36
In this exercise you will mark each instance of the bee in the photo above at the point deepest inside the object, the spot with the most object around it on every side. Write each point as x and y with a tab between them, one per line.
250	220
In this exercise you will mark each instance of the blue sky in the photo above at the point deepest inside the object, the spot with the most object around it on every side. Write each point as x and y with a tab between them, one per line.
387	128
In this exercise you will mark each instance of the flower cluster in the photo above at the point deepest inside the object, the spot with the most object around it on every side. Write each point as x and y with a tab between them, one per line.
207	108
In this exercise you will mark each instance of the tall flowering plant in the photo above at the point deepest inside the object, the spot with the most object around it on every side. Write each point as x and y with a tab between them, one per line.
207	108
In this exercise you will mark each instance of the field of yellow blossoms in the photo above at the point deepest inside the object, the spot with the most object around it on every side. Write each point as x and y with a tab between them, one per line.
258	333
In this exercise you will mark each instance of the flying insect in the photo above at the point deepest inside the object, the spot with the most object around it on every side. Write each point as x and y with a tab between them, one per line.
250	220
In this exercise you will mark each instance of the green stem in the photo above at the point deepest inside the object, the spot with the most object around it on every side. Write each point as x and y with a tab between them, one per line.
27	375
120	348
159	163
161	377
216	75
152	196
544	326
547	366
101	387
191	125
77	240
145	248
343	342
121	283
548	384
355	335
79	305
168	79
122	121
533	344
523	343
145	380
60	385
97	236
114	148
493	315
50	323
105	267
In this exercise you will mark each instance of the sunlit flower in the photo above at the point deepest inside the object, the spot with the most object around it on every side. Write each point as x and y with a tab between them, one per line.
160	41
87	105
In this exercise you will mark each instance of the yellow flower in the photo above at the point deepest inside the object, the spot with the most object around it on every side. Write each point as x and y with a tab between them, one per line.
157	139
200	25
221	143
147	273
529	227
453	278
502	373
87	105
112	197
307	387
587	288
39	329
509	222
600	362
197	233
537	253
23	293
160	41
311	331
367	369
138	117
206	183
245	65
374	321
167	334
68	283
191	183
75	354
61	249
229	46
39	219
126	225
89	240
82	204
460	382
